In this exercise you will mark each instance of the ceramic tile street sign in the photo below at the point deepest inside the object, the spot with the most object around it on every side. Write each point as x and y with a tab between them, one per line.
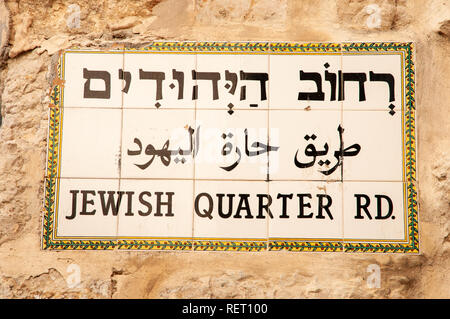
233	146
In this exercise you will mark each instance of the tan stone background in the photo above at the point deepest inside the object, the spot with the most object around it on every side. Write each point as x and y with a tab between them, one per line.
31	32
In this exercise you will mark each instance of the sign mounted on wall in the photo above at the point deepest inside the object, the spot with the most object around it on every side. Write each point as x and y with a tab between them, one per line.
233	146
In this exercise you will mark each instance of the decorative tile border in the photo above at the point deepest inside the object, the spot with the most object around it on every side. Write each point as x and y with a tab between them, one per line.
50	241
135	244
227	245
409	146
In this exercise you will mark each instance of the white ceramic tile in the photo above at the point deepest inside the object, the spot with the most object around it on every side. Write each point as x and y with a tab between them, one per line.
103	87
306	210
83	208
285	83
175	89
90	145
379	135
240	221
372	68
218	65
141	216
151	143
299	134
380	198
220	131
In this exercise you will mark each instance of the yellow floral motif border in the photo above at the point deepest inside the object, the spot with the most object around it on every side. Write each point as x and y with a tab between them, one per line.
49	240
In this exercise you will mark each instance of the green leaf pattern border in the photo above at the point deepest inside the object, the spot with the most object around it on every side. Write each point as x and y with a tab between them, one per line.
412	246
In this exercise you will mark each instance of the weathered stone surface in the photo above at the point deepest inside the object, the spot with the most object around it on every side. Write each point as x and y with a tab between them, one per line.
444	28
38	29
4	29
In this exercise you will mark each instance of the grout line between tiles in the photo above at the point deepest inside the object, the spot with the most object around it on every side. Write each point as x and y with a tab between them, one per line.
120	147
224	109
342	165
268	143
236	180
194	166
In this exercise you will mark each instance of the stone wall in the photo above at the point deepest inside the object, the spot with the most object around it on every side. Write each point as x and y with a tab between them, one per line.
32	32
